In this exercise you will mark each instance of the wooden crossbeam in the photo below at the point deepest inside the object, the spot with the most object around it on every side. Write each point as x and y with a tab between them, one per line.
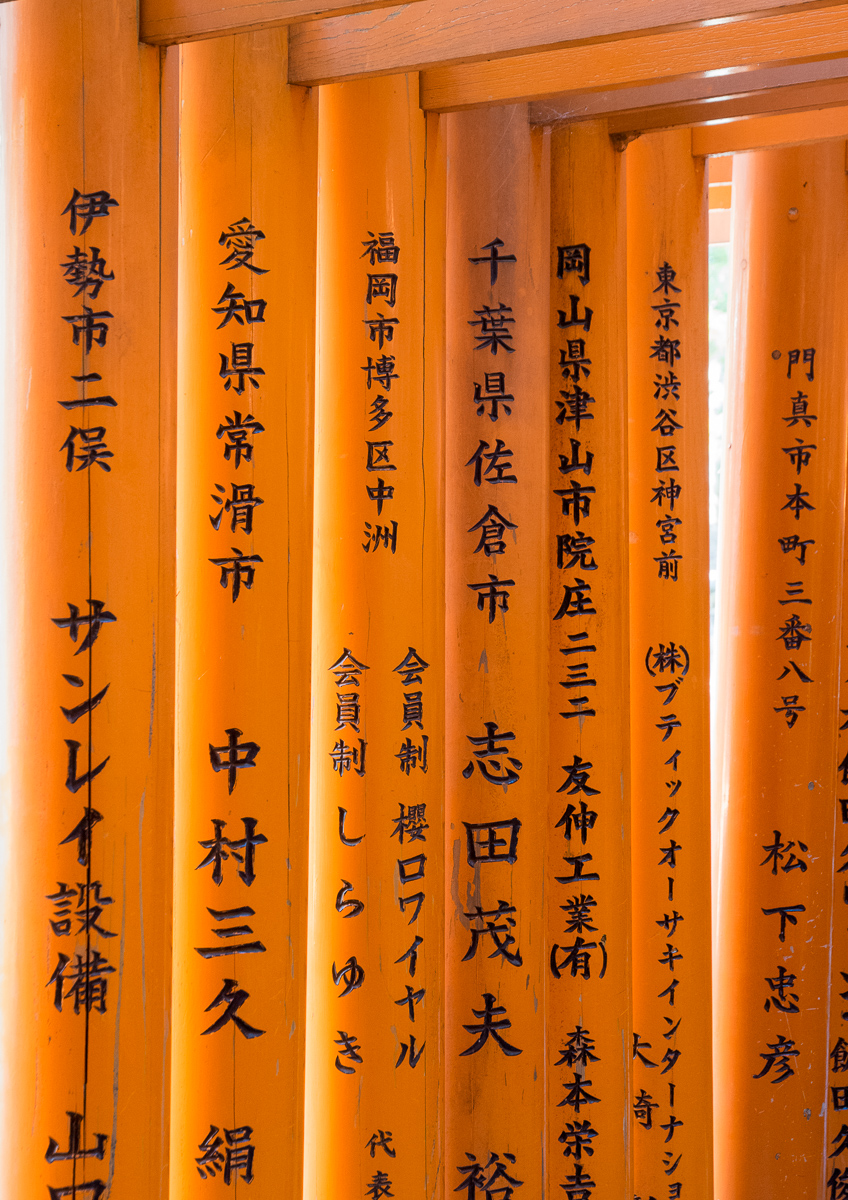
165	22
761	133
772	101
693	101
432	33
666	106
787	37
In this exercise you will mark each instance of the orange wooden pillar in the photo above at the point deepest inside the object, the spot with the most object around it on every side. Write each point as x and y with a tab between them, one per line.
669	642
496	649
89	511
837	1174
375	906
781	1126
248	176
589	1019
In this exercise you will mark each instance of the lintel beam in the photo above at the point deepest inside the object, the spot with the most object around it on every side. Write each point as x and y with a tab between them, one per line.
166	22
663	108
772	102
434	33
702	99
769	132
818	34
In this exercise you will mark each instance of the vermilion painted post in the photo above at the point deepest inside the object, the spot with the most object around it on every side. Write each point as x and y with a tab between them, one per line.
780	938
495	650
88	818
373	1082
248	180
589	1023
667	234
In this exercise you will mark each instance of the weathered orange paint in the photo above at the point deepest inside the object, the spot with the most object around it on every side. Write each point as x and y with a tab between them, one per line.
380	601
669	643
589	667
781	1136
496	670
82	110
248	150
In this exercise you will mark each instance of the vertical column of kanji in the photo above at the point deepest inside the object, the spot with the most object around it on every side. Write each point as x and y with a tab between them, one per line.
376	878
837	1097
589	792
89	818
496	691
780	1129
669	643
247	278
